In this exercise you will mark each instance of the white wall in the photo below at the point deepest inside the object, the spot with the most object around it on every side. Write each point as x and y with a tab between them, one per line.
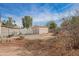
43	30
36	31
8	31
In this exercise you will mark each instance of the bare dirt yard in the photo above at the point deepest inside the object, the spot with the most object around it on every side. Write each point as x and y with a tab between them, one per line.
16	46
11	47
26	46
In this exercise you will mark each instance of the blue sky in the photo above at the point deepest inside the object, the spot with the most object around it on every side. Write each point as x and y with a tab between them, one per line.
40	12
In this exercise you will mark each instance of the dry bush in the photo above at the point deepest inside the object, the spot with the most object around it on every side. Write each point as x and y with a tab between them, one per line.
61	45
72	26
45	47
74	36
20	38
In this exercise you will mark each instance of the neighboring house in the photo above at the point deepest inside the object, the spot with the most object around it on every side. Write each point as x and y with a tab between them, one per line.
40	29
4	31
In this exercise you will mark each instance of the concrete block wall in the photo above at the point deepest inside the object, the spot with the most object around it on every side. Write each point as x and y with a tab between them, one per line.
9	31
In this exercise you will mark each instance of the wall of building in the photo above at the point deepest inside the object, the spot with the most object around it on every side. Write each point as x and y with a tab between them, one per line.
40	30
35	30
43	30
10	31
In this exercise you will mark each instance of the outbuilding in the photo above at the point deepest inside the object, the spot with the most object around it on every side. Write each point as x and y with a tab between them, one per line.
40	29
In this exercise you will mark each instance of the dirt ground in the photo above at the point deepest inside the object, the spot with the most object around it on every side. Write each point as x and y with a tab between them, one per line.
13	46
21	46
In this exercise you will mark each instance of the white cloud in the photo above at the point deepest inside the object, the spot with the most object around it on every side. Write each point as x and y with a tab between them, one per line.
43	14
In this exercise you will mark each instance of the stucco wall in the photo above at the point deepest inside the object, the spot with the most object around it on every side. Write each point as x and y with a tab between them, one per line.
36	31
9	31
40	30
43	30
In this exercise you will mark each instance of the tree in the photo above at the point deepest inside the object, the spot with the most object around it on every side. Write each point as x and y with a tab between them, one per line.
75	20
72	26
14	23
52	25
9	22
4	23
27	22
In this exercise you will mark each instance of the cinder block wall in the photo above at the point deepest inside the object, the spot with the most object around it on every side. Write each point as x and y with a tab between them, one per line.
9	31
43	30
